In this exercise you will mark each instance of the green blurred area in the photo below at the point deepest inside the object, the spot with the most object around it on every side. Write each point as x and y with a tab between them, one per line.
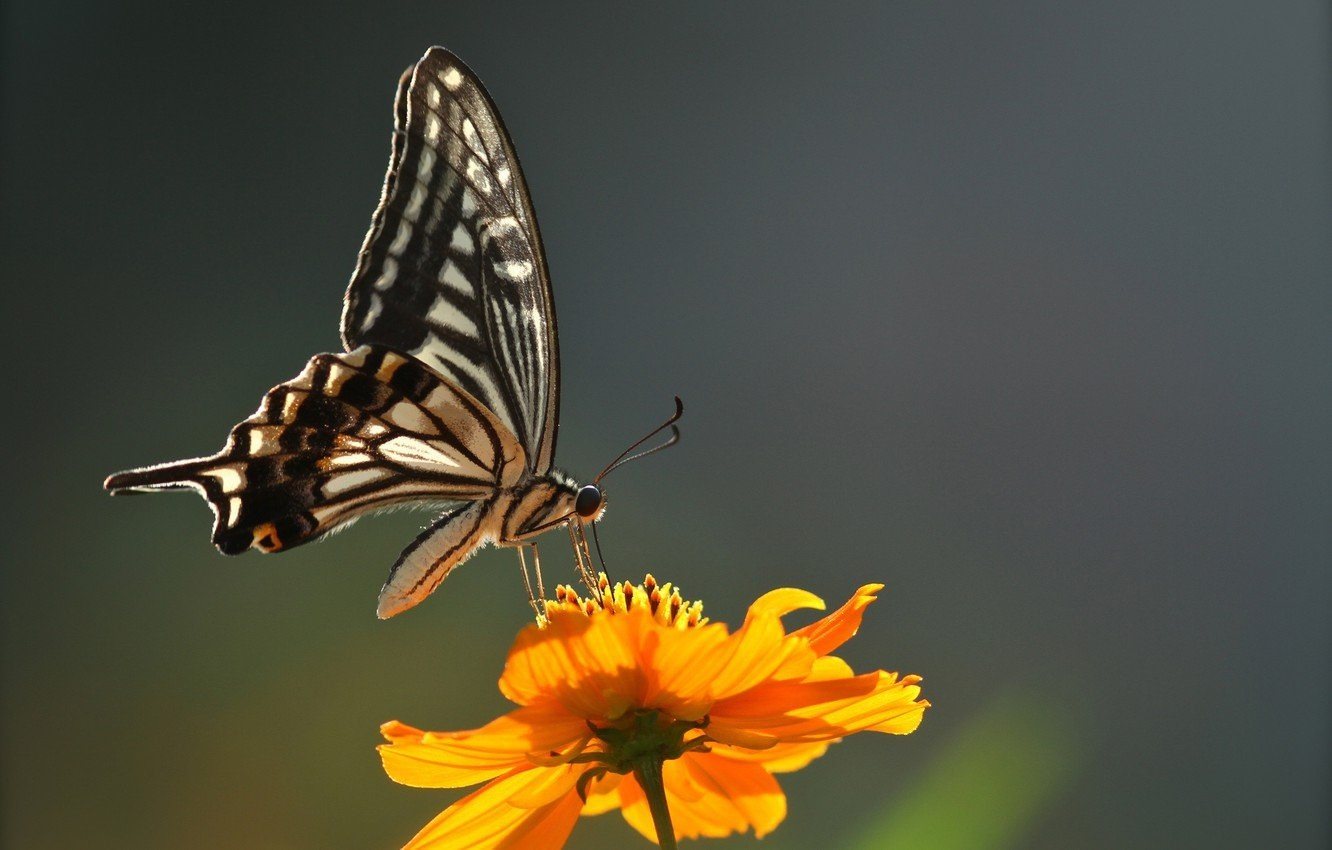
1002	772
1019	309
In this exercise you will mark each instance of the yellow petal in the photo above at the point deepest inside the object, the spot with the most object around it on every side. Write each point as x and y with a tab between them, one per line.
395	731
457	759
590	665
760	650
891	706
683	665
695	667
829	667
634	807
779	758
537	663
837	628
720	729
706	814
701	810
783	601
709	797
555	784
748	787
557	757
603	794
771	698
486	819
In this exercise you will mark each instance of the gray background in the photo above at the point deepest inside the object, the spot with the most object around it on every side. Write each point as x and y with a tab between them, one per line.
1020	308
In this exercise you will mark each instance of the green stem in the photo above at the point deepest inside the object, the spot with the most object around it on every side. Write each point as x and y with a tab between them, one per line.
648	774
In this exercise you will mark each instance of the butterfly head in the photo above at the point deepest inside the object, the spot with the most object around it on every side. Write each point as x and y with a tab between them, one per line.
589	503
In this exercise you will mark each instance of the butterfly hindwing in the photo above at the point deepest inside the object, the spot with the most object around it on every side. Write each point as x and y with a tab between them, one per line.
452	270
352	433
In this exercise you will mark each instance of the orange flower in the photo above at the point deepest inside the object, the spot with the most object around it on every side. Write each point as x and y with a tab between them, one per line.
634	676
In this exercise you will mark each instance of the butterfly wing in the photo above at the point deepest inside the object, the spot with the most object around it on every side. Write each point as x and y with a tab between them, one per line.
452	270
351	433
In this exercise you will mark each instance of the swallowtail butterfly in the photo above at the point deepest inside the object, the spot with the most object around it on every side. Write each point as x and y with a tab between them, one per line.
449	386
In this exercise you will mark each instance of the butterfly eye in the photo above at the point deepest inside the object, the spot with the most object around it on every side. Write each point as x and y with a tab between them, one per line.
588	501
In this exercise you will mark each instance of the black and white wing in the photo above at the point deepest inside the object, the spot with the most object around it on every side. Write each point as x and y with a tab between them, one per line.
351	433
452	270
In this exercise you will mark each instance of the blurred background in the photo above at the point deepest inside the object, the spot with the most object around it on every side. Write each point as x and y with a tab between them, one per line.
1020	308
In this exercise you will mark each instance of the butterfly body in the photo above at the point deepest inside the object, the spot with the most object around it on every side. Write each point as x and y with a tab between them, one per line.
512	517
448	390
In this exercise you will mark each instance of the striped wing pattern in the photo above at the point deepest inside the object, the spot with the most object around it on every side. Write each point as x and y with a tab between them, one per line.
452	270
449	390
351	433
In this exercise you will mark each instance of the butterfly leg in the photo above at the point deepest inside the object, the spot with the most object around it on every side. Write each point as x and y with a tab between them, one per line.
527	583
586	569
536	565
582	567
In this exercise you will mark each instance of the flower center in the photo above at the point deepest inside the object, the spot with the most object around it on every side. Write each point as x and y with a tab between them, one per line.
662	601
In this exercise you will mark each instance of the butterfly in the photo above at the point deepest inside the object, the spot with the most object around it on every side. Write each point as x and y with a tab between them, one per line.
449	387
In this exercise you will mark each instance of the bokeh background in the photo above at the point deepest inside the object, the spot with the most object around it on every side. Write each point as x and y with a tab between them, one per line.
1022	309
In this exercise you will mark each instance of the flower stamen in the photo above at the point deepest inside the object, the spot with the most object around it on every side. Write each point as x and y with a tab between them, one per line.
662	601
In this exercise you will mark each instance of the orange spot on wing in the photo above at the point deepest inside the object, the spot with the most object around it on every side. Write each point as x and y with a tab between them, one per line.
266	537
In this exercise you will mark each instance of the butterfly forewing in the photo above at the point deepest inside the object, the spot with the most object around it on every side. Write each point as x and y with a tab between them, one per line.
452	270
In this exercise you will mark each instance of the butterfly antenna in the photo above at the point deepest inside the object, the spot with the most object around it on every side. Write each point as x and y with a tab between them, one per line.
626	457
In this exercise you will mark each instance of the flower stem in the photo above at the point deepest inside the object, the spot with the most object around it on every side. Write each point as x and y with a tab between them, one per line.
648	774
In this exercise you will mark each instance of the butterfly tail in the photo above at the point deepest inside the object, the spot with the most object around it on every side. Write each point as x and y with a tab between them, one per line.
219	480
179	475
